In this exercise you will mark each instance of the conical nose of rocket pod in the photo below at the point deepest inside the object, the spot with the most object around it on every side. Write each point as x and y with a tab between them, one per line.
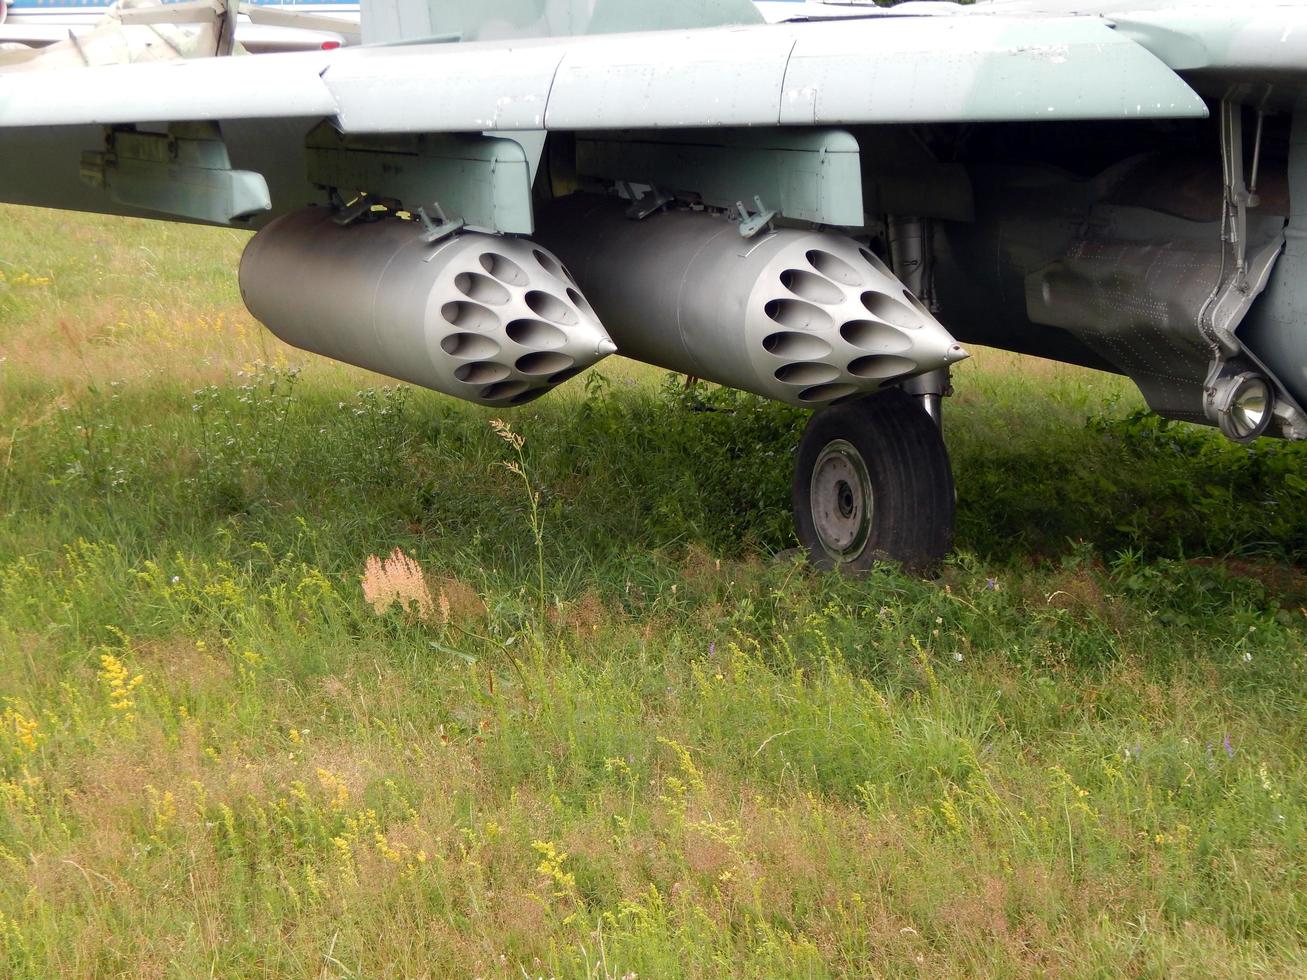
832	321
528	327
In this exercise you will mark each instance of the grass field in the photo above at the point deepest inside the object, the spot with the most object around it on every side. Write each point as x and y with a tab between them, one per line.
632	737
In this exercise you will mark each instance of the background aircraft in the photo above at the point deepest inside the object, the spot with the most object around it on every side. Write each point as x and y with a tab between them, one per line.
489	197
285	25
293	25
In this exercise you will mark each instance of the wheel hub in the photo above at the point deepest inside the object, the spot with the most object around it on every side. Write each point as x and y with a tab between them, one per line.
841	500
846	502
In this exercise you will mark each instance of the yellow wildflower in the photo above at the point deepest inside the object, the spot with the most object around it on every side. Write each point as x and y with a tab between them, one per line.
21	728
119	683
334	785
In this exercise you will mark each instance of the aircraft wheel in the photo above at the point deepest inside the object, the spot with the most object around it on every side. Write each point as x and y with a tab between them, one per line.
872	482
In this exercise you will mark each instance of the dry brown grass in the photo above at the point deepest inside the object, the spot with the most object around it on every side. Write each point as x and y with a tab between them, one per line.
197	346
464	603
398	580
584	616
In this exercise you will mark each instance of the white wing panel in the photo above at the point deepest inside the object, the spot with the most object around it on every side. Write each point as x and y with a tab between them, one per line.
723	77
976	69
446	87
256	87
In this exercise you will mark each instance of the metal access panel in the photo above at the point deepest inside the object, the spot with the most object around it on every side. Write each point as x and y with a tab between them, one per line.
483	180
807	175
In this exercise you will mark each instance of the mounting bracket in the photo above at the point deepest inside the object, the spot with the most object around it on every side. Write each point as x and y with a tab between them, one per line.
649	202
442	227
752	223
809	175
485	180
185	172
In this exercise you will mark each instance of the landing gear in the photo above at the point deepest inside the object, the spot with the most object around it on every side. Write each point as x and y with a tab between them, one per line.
872	482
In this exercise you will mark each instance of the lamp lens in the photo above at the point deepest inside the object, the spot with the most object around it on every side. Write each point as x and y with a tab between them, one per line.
1250	406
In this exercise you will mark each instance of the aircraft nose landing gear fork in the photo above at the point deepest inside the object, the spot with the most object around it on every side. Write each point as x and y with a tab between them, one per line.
872	482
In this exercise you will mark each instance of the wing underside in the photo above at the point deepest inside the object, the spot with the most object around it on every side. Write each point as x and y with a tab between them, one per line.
876	71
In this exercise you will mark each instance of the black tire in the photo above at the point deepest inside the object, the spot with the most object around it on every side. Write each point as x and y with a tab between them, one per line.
881	455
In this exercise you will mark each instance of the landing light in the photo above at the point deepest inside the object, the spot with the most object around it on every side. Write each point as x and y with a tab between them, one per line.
1244	406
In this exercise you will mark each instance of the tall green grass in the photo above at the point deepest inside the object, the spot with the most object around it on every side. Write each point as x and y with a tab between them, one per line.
1078	752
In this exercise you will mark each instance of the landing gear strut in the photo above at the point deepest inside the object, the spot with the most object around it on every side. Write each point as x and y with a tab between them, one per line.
872	482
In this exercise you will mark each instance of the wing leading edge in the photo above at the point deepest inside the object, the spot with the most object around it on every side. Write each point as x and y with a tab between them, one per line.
890	70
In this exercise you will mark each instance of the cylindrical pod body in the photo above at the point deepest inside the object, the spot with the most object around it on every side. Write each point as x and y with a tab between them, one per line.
490	319
804	317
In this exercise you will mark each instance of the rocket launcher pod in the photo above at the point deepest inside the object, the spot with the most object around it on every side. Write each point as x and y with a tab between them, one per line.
490	319
803	317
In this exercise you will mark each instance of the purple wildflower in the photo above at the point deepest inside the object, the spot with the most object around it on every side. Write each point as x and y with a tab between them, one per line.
1229	749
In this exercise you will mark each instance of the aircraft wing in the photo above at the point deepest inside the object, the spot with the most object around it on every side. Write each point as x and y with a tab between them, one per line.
783	208
882	70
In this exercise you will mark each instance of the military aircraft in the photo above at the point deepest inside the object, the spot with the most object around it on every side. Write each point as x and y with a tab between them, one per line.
121	31
488	197
262	25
